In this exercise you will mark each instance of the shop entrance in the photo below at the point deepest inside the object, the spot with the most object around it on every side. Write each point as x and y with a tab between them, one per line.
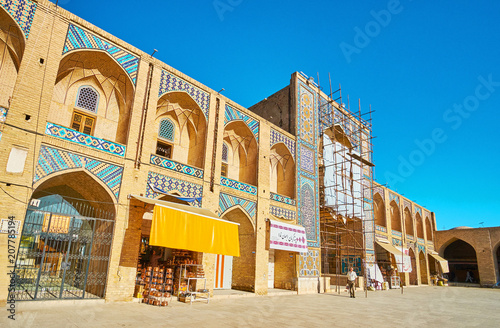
223	272
64	250
413	274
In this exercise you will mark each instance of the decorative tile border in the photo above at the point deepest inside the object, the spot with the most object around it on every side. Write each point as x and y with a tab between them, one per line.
238	185
78	38
282	199
380	228
381	237
277	137
52	160
168	184
22	11
170	82
232	114
283	213
307	172
421	241
175	166
309	264
410	237
227	201
421	248
84	139
396	233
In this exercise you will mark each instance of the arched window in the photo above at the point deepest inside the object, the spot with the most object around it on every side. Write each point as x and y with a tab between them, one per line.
166	130
225	151
87	98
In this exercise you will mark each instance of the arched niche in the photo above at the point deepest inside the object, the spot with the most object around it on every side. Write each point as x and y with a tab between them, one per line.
282	167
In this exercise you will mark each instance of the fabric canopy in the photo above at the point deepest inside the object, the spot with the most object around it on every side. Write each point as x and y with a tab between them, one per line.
443	263
403	261
191	228
388	247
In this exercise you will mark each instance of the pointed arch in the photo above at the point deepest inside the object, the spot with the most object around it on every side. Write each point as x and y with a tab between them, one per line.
242	166
408	222
428	229
395	216
282	170
462	261
380	217
420	226
422	259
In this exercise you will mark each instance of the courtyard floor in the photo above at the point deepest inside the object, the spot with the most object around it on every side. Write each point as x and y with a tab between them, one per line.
417	306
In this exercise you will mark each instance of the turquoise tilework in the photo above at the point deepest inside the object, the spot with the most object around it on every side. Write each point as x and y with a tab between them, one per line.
232	114
77	38
170	82
22	11
238	185
175	166
227	201
52	160
84	139
277	137
169	184
283	213
282	199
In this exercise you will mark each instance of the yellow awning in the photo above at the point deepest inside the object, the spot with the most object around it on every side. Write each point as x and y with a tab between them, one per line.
443	263
388	247
191	228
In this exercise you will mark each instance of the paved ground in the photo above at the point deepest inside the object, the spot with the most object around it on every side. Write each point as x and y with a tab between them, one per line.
418	306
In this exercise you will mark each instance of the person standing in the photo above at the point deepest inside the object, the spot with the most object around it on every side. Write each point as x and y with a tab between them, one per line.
351	281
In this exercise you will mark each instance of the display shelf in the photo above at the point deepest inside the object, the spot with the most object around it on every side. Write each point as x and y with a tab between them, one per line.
190	274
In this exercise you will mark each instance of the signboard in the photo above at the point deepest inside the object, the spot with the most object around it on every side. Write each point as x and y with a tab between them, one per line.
287	237
406	265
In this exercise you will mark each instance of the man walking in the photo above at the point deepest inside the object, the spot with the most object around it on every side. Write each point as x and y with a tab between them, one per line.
351	280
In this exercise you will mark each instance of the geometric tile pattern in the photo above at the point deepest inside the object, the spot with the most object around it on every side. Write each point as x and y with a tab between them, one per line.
174	166
22	11
238	185
232	114
421	248
84	139
53	160
309	264
78	38
307	209
282	213
421	241
393	197
282	199
380	228
227	201
168	184
307	170
307	162
279	137
169	82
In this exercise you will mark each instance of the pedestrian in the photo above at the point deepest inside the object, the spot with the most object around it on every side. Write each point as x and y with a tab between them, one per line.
470	276
351	281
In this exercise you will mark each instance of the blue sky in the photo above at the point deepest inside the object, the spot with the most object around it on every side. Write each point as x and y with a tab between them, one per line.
430	71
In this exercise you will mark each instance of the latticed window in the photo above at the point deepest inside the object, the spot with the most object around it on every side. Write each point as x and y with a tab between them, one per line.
166	130
224	153
87	99
224	160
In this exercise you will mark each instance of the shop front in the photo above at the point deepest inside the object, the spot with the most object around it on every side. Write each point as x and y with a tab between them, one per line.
175	241
392	263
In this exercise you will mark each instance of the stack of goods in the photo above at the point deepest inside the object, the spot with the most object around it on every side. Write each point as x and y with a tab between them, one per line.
157	286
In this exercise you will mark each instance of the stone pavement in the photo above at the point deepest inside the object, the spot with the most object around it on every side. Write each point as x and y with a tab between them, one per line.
418	306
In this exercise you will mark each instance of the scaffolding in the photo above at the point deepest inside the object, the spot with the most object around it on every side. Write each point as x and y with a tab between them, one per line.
346	188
